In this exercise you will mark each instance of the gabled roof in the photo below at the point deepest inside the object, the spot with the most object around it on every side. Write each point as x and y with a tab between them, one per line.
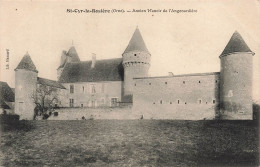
236	44
104	70
6	95
26	63
50	83
136	43
73	54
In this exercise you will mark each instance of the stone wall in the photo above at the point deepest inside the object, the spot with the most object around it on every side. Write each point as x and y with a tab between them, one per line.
236	86
136	64
25	86
86	96
94	113
193	96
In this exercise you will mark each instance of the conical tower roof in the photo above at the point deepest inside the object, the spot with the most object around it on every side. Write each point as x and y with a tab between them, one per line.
73	54
26	63
236	44
136	43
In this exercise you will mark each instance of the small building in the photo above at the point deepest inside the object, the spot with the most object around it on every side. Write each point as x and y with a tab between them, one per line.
6	99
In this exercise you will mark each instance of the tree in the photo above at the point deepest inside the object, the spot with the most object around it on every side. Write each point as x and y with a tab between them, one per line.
45	98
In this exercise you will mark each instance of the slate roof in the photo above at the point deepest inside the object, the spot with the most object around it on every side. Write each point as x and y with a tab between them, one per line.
49	82
104	70
6	95
73	54
26	63
236	44
136	43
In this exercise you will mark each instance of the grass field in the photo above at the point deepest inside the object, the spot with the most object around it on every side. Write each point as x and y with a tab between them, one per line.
130	143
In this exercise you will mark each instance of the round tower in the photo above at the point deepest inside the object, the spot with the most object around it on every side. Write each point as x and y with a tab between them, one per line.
136	61
25	87
236	79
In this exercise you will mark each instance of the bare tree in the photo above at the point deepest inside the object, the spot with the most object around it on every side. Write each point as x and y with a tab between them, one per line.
44	98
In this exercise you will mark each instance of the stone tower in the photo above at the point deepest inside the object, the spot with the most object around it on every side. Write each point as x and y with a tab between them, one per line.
67	57
136	61
25	86
236	79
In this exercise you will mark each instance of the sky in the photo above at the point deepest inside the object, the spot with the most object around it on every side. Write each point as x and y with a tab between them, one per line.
178	42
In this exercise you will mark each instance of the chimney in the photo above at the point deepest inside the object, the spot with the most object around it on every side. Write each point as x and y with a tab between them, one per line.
170	73
93	60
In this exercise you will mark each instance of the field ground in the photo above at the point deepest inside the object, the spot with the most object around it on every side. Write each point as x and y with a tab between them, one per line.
130	143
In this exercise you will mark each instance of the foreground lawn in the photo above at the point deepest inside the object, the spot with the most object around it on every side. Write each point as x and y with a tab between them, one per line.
130	143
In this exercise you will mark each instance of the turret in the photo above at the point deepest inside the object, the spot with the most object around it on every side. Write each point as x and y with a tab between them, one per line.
25	86
136	61
236	79
67	57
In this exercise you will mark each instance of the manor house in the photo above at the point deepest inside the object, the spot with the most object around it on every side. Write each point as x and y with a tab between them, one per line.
123	81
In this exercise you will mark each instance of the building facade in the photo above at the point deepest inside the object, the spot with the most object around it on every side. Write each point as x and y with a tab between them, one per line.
111	82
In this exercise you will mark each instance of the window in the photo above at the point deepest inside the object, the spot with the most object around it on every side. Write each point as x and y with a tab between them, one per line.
81	105
135	54
150	83
71	102
114	102
199	101
214	101
93	89
83	89
166	83
178	101
199	81
71	88
135	84
183	82
216	81
185	102
170	102
206	102
160	101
